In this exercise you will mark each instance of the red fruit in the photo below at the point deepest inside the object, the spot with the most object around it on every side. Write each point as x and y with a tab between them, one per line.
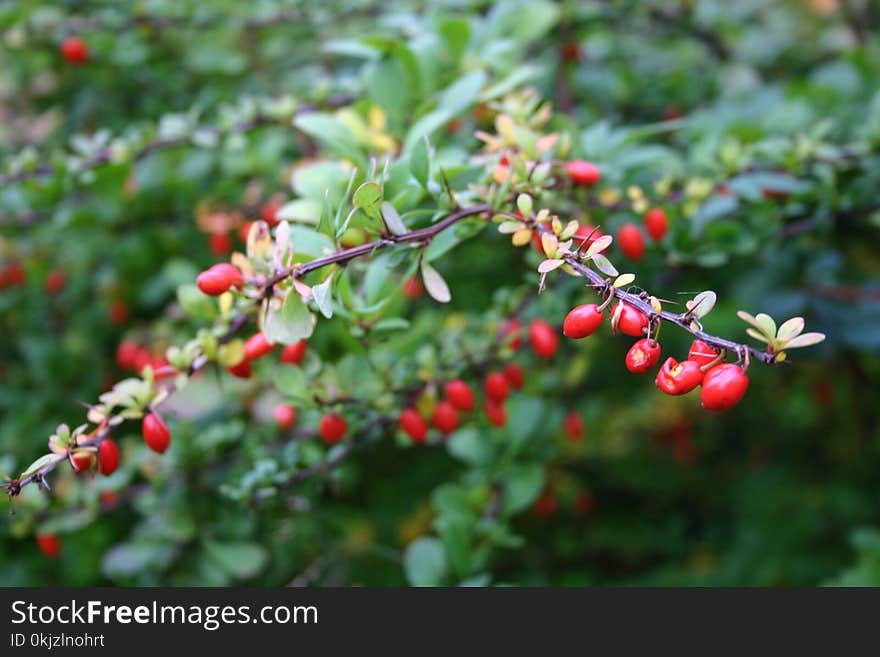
332	428
55	281
570	51
81	461
49	544
126	354
243	370
582	321
155	432
496	387
13	274
142	359
219	278
546	505
543	338
445	417
268	213
245	230
723	386
676	378
656	223
118	312
74	50
108	457
631	321
631	241
536	237
412	287
257	346
459	394
285	416
515	376
574	426
642	356
701	353
511	334
496	413
413	425
582	172
584	503
220	243
292	354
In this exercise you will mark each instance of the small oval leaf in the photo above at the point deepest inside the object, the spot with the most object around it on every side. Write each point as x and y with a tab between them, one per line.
434	284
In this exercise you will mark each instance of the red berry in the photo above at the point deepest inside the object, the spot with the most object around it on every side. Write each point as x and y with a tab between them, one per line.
243	370
118	312
220	243
511	334
631	321
584	503
496	387
631	241
656	223
515	376
257	346
332	428
676	378
81	460
413	425
445	417
55	281
570	51
546	505
496	413
292	354
537	242
285	416
219	278
582	172
582	321
412	287
142	359
642	356
268	213
49	544
459	394
108	457
543	338
13	274
74	50
723	386
574	426
156	433
701	353
126	354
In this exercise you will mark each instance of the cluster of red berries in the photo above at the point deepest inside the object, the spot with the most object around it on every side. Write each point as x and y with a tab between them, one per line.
135	357
547	504
258	345
630	238
723	384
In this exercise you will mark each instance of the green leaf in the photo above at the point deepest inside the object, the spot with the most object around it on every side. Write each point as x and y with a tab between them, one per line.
291	381
420	161
368	197
713	208
308	241
425	562
456	98
195	303
805	340
522	485
392	219
129	559
240	560
603	264
766	324
323	296
456	32
434	284
332	133
790	328
43	461
470	446
289	324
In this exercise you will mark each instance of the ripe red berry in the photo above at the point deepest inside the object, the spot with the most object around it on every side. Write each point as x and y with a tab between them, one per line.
257	346
243	370
495	412
81	460
723	386
126	354
459	394
285	416
413	425
582	321
219	278
55	281
582	172
511	333
155	432
108	457
631	321
631	241
546	505
332	428
74	50
13	274
118	312
515	375
574	426
445	417
496	387
676	378
269	212
642	356
543	338
220	244
293	354
412	287
701	353
656	223
49	544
